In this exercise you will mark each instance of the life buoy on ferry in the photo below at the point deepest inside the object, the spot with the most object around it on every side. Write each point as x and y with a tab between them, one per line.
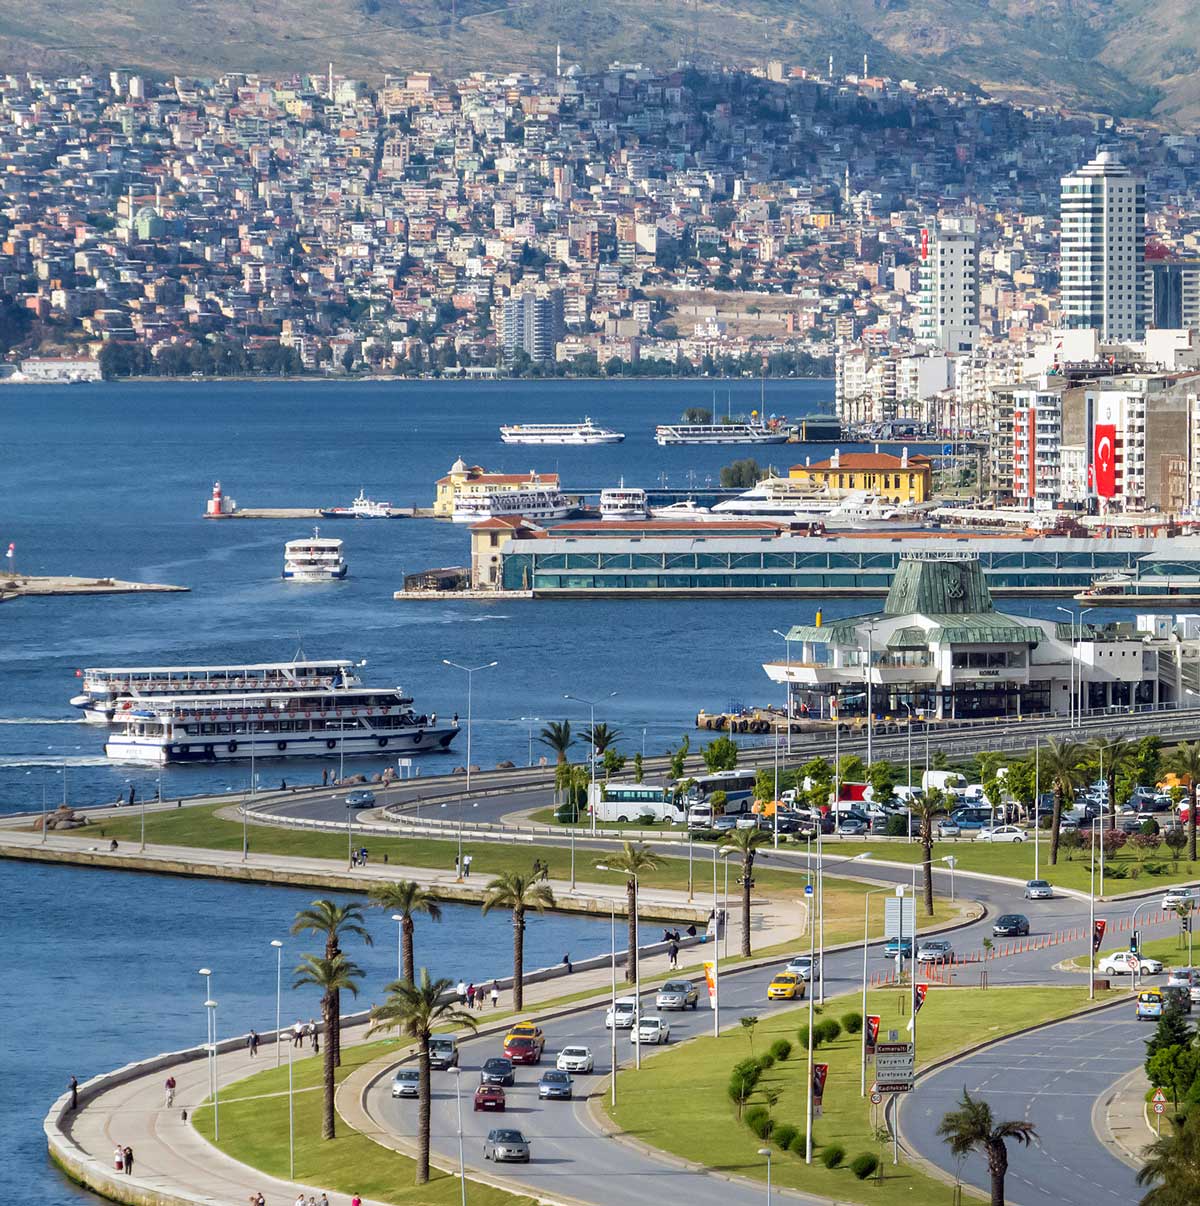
383	742
281	745
232	747
708	722
417	737
331	744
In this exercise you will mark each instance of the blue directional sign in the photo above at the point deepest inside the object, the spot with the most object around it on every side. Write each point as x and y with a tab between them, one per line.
947	450
808	889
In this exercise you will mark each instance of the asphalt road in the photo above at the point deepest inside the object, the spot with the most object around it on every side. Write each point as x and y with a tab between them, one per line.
1050	1077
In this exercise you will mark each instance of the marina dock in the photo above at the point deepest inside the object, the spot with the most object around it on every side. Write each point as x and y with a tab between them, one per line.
13	588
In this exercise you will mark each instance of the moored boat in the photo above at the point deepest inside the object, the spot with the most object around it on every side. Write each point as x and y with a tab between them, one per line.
586	432
314	559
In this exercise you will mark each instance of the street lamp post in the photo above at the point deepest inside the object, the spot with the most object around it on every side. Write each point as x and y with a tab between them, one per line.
613	1028
291	1117
210	1007
1092	926
1070	667
143	810
716	993
398	918
589	703
866	937
530	721
870	683
462	1166
278	998
635	955
470	672
766	1151
787	644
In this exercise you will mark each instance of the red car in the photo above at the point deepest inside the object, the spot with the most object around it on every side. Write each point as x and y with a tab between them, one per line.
489	1097
523	1050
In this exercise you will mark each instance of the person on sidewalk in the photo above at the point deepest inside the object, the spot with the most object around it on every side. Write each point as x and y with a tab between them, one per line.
298	1034
495	993
324	1200
169	1092
119	1159
311	1031
356	1201
467	865
471	995
127	1159
567	963
74	1093
316	1042
672	954
299	1200
461	992
252	1043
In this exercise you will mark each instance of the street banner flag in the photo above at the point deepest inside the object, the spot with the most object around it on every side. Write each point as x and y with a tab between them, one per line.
922	989
820	1073
1098	928
1105	460
872	1033
711	980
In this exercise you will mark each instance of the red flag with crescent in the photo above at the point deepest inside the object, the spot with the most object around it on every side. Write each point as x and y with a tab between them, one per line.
1104	460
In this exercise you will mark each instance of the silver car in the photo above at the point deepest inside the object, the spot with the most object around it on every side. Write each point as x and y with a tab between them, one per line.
677	994
505	1146
406	1083
1038	889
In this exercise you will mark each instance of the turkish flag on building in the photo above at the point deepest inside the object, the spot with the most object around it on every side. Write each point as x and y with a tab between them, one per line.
1104	459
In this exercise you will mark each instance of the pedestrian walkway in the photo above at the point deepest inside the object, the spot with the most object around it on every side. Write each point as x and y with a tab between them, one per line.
1120	1118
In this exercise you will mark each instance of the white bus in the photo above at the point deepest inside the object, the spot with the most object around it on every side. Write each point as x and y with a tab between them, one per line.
633	801
738	786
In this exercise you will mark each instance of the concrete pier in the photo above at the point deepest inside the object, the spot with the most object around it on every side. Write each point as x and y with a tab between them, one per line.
12	588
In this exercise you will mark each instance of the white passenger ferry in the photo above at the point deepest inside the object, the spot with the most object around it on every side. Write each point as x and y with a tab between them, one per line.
111	690
539	502
623	502
315	558
717	433
307	724
586	432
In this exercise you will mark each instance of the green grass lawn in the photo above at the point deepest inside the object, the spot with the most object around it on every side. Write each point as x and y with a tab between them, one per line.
1173	951
1016	861
702	1123
254	1130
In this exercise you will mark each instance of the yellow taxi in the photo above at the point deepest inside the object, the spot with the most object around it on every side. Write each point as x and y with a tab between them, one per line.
527	1030
787	986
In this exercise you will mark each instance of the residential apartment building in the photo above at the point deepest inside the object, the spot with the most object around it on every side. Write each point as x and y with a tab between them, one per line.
1037	447
948	301
1172	294
1102	248
533	323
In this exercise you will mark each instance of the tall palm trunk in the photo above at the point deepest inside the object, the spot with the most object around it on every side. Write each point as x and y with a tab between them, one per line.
406	953
1055	822
333	1024
747	878
1193	791
631	909
328	1016
997	1158
518	959
423	1110
927	863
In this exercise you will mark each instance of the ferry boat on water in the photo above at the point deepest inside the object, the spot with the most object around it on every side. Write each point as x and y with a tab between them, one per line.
361	508
315	558
623	502
305	724
586	432
109	691
717	433
539	502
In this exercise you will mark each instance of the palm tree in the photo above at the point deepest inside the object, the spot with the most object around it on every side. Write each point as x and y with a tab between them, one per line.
557	735
924	809
601	738
331	920
632	860
332	975
1172	1167
1184	762
972	1128
419	1009
1113	756
1062	762
747	843
518	893
406	899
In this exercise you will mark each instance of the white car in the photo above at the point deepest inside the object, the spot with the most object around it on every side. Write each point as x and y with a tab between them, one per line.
575	1059
1188	897
1039	889
1001	833
621	1013
931	950
651	1029
802	966
1122	964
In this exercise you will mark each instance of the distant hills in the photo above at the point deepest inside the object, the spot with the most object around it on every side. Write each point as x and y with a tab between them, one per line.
1126	57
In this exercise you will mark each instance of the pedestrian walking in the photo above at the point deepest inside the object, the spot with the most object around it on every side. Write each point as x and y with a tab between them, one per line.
479	995
169	1091
672	955
325	777
299	1200
119	1159
495	993
467	865
324	1200
312	1199
298	1034
471	995
461	991
132	794
74	1093
567	963
356	1201
457	872
316	1043
127	1157
252	1043
311	1031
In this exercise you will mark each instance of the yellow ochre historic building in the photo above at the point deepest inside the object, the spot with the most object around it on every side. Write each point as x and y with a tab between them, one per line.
901	479
466	481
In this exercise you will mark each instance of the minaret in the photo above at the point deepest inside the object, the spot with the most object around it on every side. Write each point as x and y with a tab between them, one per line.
558	61
331	81
865	71
831	68
846	187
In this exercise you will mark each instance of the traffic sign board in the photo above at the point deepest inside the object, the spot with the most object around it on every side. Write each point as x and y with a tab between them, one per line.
1159	1097
893	1067
1160	1107
876	1097
808	889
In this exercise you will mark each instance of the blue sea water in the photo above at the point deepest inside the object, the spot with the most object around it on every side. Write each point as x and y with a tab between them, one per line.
101	970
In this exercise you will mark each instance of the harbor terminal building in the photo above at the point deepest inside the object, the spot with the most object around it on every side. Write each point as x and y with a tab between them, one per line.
940	648
473	481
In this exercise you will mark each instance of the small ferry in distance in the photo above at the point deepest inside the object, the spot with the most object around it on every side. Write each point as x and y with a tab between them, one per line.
315	558
586	432
361	508
539	502
299	724
623	502
666	434
110	690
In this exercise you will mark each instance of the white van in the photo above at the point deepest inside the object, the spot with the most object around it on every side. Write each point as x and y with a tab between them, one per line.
948	781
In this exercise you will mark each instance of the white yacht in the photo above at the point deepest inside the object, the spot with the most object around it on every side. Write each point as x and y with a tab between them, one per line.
109	691
586	432
361	508
685	508
538	502
306	724
623	502
717	433
862	510
780	498
315	558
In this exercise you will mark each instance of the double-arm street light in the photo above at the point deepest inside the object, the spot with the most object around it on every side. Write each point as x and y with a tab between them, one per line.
637	969
470	672
592	705
787	642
